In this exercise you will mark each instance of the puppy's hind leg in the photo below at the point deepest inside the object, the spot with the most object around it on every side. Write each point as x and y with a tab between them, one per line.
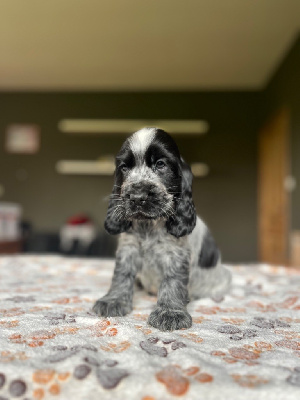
208	278
212	282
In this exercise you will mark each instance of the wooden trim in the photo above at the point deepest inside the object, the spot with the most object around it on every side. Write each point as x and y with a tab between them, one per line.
273	199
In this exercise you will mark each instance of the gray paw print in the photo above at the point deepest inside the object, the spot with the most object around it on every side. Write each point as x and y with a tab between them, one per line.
237	333
109	378
151	347
294	379
265	323
56	318
15	388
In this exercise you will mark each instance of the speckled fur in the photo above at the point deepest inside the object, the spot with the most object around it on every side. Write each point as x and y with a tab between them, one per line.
164	257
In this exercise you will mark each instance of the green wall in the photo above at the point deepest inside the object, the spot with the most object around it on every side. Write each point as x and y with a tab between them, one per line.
226	199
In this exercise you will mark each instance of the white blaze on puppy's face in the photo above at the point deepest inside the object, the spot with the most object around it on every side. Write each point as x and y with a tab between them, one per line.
140	141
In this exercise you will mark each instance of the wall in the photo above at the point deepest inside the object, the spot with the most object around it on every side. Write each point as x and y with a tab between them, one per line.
284	90
226	199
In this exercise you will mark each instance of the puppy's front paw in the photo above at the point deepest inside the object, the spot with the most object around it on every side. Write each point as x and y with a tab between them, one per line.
170	320
112	307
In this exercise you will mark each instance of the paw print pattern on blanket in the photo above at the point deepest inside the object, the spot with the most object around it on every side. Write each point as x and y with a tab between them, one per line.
160	347
109	378
53	346
15	388
103	328
192	336
48	381
249	381
248	354
236	333
57	318
116	347
177	380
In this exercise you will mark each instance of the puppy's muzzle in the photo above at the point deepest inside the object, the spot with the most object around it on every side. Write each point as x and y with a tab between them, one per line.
141	200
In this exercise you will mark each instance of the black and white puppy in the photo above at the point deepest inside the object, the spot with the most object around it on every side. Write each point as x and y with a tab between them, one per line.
163	243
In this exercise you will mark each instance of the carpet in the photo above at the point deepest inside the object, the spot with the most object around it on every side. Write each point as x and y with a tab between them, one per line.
245	346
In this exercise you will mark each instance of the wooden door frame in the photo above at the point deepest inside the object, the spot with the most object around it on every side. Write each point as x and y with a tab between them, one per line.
279	120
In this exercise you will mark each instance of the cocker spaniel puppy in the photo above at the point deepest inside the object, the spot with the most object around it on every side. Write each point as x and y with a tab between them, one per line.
163	243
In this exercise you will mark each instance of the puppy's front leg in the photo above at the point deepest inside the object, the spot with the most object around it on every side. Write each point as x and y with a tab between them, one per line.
170	312
118	300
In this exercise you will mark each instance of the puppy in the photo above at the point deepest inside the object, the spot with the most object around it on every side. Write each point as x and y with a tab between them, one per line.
163	243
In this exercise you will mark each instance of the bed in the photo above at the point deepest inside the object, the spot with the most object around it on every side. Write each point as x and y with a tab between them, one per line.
243	346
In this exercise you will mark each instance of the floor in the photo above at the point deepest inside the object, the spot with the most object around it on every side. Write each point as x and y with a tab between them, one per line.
245	346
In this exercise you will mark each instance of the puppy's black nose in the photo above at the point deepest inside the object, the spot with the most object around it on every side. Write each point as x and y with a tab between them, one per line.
138	198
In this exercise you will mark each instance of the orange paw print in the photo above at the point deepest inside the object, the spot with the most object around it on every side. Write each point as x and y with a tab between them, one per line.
103	328
233	321
9	324
38	308
35	339
261	307
70	300
116	347
176	379
17	338
71	330
199	320
141	317
249	381
50	381
234	310
259	347
145	330
208	310
246	354
9	356
243	354
11	312
290	301
288	344
287	334
192	336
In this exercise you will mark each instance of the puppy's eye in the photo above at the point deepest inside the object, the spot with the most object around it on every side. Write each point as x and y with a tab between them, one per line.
160	164
124	168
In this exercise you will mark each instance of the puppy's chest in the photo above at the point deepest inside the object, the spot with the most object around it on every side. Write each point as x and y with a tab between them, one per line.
157	245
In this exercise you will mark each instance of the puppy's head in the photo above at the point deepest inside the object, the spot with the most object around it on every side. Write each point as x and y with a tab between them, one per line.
153	182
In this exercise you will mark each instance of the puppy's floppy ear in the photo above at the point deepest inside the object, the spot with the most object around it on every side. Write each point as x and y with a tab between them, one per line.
115	222
184	220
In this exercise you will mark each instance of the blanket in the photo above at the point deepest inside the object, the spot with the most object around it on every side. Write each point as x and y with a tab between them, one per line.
243	346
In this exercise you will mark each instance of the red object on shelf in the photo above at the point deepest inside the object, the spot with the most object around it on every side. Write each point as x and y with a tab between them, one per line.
78	220
78	228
